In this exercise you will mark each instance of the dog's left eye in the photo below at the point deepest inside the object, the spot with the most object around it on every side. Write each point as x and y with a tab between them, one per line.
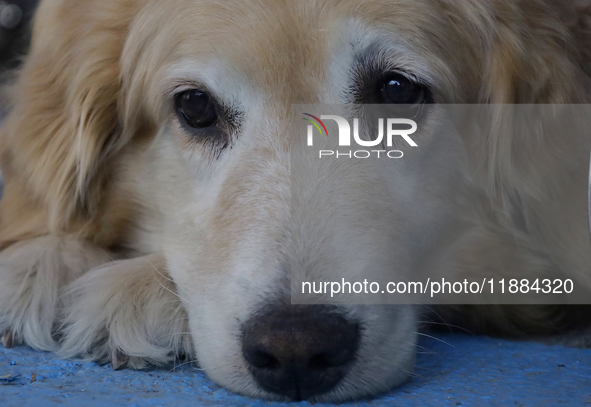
373	86
397	89
196	108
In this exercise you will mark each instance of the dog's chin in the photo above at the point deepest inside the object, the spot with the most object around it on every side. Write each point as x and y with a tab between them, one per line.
355	386
352	388
385	358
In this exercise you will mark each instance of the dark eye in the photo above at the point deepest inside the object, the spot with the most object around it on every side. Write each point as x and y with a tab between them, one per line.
196	108
398	89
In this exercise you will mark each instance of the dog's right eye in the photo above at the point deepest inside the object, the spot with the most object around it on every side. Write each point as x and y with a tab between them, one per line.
196	109
397	89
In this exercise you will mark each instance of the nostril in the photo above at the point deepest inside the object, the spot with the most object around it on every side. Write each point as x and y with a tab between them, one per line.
327	360
261	360
319	362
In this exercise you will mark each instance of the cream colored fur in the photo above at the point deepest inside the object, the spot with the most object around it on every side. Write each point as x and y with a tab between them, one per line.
124	240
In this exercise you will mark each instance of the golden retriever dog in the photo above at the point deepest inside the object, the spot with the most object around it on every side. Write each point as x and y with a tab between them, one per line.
146	157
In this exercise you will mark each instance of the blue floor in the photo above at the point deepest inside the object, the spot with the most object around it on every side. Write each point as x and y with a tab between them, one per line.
455	370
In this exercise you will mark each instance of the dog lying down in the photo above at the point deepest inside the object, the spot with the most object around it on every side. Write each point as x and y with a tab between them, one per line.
146	155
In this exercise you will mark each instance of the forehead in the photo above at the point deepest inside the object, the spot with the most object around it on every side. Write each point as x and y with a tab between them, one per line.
290	47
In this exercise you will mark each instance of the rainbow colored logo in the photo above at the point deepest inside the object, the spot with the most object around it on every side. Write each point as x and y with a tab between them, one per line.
315	124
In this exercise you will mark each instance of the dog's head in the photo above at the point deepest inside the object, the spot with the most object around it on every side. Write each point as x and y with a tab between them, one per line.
165	126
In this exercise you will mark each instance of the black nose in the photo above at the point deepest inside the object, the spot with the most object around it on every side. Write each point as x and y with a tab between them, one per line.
300	351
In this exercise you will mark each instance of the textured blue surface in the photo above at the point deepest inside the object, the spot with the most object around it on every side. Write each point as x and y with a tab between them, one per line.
466	371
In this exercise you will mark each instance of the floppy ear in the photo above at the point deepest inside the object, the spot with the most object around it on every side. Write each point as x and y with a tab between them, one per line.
539	52
64	123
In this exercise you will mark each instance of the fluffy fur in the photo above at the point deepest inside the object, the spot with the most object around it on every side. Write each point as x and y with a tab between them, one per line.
122	239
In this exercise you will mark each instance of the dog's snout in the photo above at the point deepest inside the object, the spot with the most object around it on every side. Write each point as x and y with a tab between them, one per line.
299	353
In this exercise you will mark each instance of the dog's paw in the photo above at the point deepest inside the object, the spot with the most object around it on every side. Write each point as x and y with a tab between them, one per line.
118	359
128	313
32	273
8	339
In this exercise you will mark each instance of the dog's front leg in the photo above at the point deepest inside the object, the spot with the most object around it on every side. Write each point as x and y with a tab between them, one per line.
126	312
32	273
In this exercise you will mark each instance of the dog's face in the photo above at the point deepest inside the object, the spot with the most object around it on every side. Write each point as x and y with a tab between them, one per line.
183	110
219	80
